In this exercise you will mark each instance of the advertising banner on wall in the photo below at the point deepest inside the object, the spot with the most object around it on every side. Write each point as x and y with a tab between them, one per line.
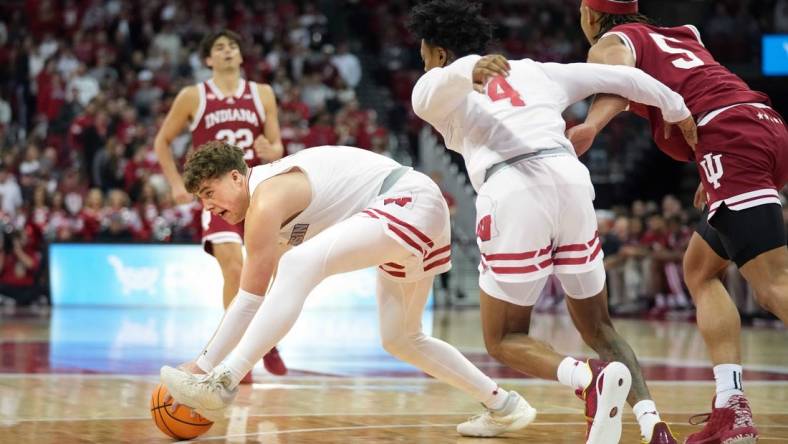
169	275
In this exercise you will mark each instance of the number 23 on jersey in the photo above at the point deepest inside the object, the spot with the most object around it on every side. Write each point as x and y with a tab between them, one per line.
499	89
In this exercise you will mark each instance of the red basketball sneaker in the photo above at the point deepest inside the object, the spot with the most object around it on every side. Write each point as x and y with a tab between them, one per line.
605	397
731	424
273	363
661	435
247	378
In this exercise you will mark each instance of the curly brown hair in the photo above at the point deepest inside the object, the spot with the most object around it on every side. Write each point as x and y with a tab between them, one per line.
210	161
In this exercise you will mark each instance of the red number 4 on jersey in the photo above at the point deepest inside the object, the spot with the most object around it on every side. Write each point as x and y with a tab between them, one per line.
499	89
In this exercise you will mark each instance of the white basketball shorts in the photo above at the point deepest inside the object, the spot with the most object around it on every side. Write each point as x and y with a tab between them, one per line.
415	214
536	218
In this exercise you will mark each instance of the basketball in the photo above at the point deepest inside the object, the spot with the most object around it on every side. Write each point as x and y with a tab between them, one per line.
179	424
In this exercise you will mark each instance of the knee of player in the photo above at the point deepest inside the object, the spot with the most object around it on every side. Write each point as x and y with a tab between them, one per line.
398	343
495	348
696	275
231	267
771	295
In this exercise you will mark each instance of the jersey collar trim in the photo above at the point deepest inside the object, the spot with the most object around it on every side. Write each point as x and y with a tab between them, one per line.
218	92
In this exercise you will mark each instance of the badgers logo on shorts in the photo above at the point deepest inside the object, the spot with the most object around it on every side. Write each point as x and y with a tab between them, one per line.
484	228
298	234
401	201
712	167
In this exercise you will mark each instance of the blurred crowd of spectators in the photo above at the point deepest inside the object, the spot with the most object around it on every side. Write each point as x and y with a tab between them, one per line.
85	84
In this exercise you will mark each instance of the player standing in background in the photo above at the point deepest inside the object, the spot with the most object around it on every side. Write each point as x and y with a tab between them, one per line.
242	113
535	215
742	158
337	209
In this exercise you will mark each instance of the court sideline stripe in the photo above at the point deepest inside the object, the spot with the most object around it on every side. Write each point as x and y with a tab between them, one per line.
283	380
289	415
387	426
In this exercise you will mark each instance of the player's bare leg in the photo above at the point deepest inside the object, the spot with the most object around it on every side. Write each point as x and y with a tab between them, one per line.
717	317
592	320
505	328
230	257
768	275
720	325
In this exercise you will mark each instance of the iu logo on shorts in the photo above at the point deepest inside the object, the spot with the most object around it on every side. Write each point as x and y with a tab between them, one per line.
712	166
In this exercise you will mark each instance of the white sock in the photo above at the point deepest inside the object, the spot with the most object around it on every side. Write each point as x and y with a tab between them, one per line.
573	373
646	413
728	377
497	399
237	317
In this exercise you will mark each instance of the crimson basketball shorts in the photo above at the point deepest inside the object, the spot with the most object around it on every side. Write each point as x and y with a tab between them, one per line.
216	230
533	219
742	157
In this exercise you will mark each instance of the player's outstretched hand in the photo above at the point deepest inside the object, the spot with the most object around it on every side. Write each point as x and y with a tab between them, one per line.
688	129
582	137
489	66
700	197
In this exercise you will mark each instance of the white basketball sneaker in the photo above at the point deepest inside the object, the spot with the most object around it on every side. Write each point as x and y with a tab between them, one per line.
514	415
207	394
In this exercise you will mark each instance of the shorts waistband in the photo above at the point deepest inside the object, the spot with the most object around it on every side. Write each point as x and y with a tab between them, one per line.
707	117
517	159
392	178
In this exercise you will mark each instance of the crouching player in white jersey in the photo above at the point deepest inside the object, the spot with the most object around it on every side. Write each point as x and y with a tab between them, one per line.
338	209
535	215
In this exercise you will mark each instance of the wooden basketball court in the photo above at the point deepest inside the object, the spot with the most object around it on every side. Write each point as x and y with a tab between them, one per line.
58	385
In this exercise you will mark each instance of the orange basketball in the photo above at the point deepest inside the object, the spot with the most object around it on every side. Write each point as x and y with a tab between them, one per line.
179	424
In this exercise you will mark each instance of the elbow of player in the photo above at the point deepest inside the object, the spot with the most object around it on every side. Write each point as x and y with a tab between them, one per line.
160	145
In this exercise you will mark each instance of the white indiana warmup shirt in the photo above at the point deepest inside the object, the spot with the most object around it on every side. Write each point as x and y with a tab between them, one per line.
522	113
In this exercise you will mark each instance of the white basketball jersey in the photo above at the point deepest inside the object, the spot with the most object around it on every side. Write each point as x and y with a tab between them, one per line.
521	113
344	181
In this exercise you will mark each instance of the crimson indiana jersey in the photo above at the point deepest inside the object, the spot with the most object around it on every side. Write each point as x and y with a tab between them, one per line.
678	58
237	120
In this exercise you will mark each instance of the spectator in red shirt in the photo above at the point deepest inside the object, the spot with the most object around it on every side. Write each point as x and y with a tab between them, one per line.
321	132
19	266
